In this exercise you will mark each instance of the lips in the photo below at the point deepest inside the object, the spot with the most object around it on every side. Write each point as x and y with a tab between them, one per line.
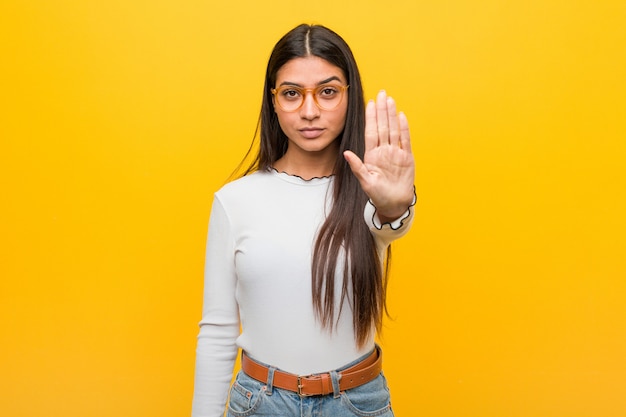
311	132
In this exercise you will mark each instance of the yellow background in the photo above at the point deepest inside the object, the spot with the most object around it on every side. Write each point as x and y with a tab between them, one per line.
120	118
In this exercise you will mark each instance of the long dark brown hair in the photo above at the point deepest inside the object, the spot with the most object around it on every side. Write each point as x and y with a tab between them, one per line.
344	233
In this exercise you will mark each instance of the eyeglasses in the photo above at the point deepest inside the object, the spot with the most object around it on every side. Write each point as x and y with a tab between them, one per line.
327	96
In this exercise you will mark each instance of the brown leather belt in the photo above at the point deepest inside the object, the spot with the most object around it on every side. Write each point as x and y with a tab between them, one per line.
318	384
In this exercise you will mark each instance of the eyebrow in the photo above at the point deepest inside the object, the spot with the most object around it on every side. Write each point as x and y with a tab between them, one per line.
327	80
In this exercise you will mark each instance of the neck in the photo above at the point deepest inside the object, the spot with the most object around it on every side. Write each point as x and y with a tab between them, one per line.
308	165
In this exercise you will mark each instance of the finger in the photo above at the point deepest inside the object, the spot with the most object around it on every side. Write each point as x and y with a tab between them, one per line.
356	165
394	129
405	136
371	127
381	117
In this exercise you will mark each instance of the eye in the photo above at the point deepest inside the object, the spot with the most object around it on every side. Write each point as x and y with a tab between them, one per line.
290	93
327	91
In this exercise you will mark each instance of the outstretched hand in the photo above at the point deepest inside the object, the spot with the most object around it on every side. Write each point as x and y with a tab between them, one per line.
387	172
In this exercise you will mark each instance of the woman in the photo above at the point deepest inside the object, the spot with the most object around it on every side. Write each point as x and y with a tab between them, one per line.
295	265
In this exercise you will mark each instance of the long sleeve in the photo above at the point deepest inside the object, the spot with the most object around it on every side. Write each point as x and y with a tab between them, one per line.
385	233
219	328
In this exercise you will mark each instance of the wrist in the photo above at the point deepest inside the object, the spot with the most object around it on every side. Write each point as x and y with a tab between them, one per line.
390	212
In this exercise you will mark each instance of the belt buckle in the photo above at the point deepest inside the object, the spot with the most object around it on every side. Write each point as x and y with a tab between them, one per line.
300	393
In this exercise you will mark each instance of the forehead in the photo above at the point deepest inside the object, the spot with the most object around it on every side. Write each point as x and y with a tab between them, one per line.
306	71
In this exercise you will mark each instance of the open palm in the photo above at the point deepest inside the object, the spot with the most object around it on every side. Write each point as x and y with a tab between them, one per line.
387	172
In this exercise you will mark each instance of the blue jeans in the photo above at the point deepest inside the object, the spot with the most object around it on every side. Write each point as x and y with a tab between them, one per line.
249	397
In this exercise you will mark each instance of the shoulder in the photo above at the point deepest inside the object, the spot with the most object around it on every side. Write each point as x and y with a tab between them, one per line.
271	189
252	188
246	184
269	182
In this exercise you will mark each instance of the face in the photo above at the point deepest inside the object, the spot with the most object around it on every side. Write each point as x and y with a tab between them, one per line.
310	129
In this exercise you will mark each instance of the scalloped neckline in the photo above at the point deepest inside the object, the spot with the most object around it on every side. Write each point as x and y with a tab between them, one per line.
299	179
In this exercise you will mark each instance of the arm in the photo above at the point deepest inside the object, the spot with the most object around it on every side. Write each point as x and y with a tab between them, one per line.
219	328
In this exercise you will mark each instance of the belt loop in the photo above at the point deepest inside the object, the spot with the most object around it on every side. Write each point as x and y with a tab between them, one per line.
335	377
270	380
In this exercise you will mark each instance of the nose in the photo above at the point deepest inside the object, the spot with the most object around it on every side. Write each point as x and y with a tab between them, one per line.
309	109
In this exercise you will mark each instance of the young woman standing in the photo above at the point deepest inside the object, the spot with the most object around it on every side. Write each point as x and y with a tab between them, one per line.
296	260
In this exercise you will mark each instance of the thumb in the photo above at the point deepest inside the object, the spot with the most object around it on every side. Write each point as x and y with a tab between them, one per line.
356	165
